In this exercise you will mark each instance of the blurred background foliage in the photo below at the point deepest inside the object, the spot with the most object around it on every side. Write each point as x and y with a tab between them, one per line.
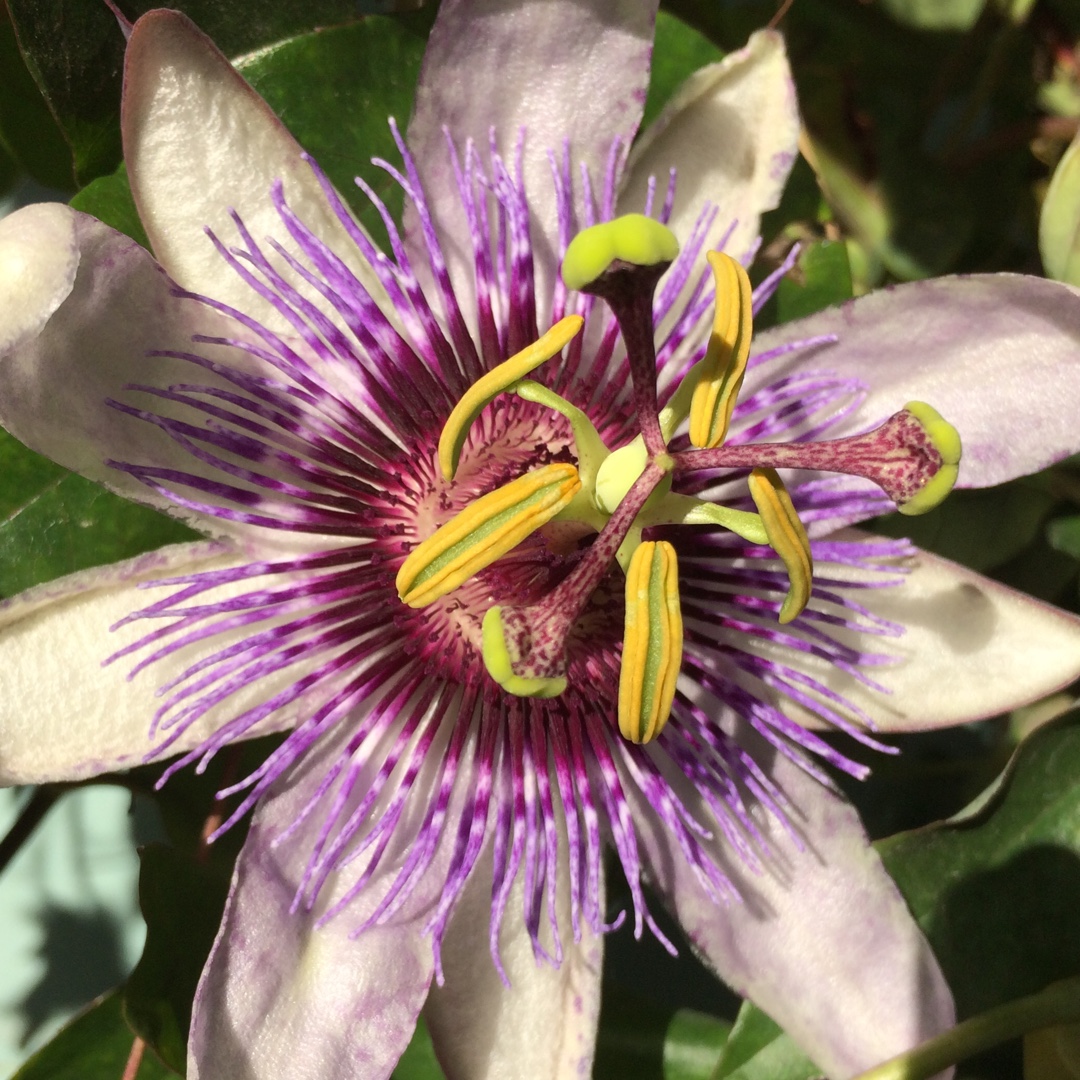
937	140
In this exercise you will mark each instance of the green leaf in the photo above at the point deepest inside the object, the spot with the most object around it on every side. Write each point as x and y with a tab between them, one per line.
678	51
53	522
240	28
630	1040
693	1044
758	1050
1042	572
727	23
182	899
110	200
367	73
182	889
981	529
935	14
9	175
74	50
820	278
337	117
1059	221
25	474
642	1036
189	798
419	1061
800	202
914	225
93	1046
28	132
895	160
1063	535
996	892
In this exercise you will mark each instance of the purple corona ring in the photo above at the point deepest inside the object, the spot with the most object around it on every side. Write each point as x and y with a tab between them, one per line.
523	546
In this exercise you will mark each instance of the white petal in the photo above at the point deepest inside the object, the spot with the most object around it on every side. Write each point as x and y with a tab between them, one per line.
972	648
62	715
199	142
55	384
284	999
731	131
116	308
557	69
38	261
544	1025
81	337
821	939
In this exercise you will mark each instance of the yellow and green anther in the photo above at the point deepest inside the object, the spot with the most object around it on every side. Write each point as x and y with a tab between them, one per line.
495	382
652	642
632	238
787	537
500	664
946	440
721	371
483	532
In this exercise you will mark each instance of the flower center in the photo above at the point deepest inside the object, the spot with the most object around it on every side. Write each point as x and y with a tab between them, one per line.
620	493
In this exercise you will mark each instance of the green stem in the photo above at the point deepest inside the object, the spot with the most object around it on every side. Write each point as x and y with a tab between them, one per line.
1059	1003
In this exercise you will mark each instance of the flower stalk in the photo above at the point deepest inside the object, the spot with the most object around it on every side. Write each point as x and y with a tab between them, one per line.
1058	1003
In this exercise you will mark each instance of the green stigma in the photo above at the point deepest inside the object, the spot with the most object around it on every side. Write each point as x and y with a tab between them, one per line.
632	238
500	663
946	441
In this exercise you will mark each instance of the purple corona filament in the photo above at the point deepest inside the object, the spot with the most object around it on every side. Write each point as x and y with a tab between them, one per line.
337	447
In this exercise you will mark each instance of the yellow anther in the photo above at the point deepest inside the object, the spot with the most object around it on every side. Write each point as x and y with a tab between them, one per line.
499	379
632	238
500	664
652	642
787	537
724	365
946	440
484	532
